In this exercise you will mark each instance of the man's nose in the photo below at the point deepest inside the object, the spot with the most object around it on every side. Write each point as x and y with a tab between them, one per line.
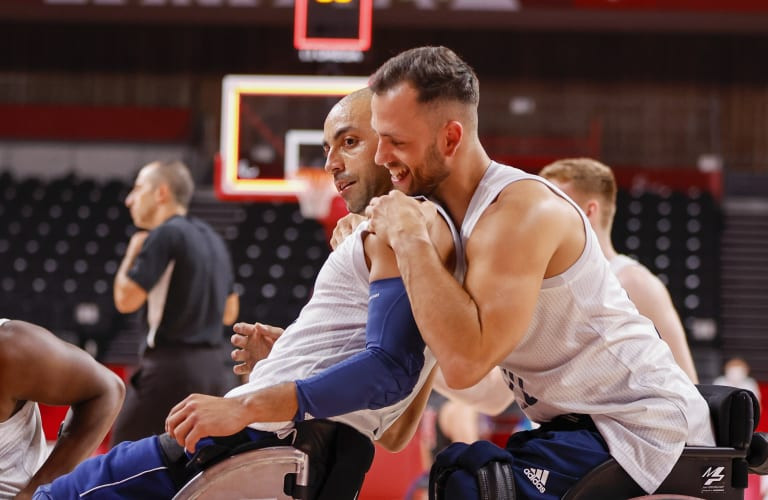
333	163
383	155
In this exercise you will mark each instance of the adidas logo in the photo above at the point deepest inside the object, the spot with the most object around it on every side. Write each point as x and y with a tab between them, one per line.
538	477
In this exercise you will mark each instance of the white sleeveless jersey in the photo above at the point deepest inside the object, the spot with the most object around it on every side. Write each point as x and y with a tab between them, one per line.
620	262
330	329
643	404
23	448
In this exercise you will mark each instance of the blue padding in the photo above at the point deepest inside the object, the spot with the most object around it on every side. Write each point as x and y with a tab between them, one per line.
380	376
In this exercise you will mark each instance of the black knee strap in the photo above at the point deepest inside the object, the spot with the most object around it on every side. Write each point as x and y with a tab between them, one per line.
227	446
175	459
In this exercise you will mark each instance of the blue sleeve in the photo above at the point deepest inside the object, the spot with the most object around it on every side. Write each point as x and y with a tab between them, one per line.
381	375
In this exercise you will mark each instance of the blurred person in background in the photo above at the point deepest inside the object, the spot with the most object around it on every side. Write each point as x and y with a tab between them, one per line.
736	374
180	268
592	186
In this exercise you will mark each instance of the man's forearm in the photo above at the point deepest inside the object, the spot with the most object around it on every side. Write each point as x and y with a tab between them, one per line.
122	279
381	375
277	403
200	415
131	252
81	434
399	434
443	310
127	294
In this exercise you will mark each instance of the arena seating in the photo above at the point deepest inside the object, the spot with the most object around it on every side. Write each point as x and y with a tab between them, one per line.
277	254
61	248
676	234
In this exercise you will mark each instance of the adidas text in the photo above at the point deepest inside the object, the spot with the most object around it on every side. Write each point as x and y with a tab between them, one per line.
538	477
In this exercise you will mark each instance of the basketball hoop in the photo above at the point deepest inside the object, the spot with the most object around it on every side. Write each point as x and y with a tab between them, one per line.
316	194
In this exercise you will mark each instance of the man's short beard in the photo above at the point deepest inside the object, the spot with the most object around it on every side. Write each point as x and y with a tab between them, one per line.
437	171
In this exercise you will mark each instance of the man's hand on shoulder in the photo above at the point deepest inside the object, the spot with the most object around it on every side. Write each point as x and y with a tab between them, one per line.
344	227
398	220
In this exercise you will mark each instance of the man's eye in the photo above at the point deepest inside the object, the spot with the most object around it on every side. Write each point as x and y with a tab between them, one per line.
350	141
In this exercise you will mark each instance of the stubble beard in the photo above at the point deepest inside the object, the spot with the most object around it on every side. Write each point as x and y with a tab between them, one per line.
433	172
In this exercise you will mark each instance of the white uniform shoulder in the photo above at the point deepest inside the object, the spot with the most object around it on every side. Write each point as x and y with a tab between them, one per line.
622	261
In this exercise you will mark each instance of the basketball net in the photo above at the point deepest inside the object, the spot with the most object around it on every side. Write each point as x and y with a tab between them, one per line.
316	194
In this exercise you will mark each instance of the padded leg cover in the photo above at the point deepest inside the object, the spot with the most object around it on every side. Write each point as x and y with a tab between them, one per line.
480	471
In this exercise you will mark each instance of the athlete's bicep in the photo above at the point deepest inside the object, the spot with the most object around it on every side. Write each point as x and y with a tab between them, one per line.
441	236
507	257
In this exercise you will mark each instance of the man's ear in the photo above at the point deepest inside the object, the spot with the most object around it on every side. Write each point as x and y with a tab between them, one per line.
162	193
453	133
592	207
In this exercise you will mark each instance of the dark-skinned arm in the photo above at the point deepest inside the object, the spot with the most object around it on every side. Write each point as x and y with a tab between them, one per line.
37	366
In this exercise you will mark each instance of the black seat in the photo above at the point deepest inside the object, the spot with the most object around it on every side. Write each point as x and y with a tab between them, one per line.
701	472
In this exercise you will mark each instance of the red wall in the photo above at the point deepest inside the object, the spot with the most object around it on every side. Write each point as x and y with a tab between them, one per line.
83	123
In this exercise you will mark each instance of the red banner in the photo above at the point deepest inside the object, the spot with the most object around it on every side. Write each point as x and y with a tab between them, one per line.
84	123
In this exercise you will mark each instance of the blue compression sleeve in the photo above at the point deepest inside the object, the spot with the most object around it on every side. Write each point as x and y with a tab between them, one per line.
383	374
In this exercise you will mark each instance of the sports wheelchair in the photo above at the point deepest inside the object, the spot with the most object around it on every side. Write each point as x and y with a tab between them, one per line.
701	472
